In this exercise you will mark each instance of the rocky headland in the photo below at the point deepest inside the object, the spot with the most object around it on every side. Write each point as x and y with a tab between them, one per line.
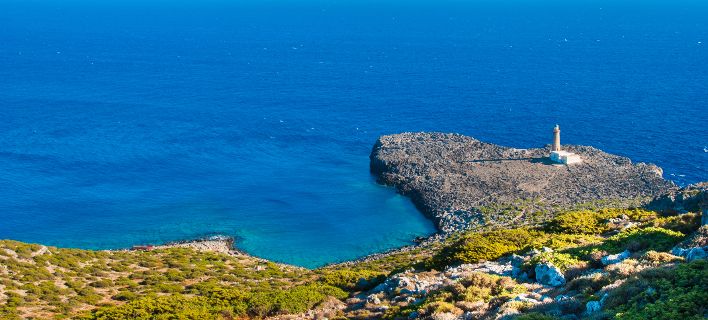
461	182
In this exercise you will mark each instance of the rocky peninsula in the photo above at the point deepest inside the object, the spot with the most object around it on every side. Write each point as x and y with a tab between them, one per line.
461	182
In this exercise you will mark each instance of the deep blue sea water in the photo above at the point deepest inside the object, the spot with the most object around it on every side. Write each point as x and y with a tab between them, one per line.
128	123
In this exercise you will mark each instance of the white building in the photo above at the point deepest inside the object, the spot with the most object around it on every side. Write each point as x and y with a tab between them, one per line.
565	157
560	156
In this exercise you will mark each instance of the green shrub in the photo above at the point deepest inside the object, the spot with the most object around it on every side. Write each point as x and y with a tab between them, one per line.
677	292
534	316
352	280
440	307
578	222
595	222
166	307
659	258
9	313
125	296
490	245
635	239
103	283
684	223
294	300
562	261
565	241
635	214
216	301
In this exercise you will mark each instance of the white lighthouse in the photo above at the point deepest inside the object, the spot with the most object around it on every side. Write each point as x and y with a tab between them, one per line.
560	156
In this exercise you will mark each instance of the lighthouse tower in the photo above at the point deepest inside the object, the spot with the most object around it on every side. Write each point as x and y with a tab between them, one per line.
556	138
560	156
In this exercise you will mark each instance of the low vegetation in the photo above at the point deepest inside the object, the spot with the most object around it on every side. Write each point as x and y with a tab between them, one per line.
675	292
179	283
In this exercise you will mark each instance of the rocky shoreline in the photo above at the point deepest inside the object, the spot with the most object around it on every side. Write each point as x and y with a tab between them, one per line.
220	244
462	183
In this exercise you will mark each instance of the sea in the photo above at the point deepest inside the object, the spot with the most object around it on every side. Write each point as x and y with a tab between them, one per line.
144	122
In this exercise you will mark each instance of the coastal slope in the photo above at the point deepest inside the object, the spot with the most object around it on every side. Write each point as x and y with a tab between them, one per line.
461	182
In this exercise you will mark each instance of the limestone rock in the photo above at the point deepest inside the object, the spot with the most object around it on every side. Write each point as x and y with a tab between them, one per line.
696	254
443	316
373	299
592	307
408	284
615	258
548	274
595	306
694	247
525	298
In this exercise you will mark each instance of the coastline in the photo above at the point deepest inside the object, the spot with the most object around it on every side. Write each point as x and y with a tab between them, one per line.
410	143
217	244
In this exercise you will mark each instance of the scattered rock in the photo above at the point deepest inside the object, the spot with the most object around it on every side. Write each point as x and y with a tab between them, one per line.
42	250
491	267
218	244
406	284
694	247
443	316
548	274
615	258
595	306
695	254
621	223
592	307
470	306
525	298
562	297
696	239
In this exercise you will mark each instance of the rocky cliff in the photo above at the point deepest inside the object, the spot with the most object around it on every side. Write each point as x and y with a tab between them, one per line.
461	182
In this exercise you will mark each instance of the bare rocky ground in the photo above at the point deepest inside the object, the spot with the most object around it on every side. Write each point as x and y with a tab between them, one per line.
225	246
461	182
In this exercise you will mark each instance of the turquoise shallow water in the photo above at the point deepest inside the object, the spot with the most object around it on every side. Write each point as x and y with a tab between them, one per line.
132	123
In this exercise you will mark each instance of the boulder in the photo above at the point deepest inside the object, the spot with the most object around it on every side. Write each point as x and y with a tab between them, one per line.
615	258
491	267
373	299
562	297
548	274
407	284
592	307
595	306
696	254
443	316
525	298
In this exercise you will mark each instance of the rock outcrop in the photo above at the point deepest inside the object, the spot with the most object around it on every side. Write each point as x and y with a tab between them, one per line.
695	246
548	274
615	258
692	198
461	182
